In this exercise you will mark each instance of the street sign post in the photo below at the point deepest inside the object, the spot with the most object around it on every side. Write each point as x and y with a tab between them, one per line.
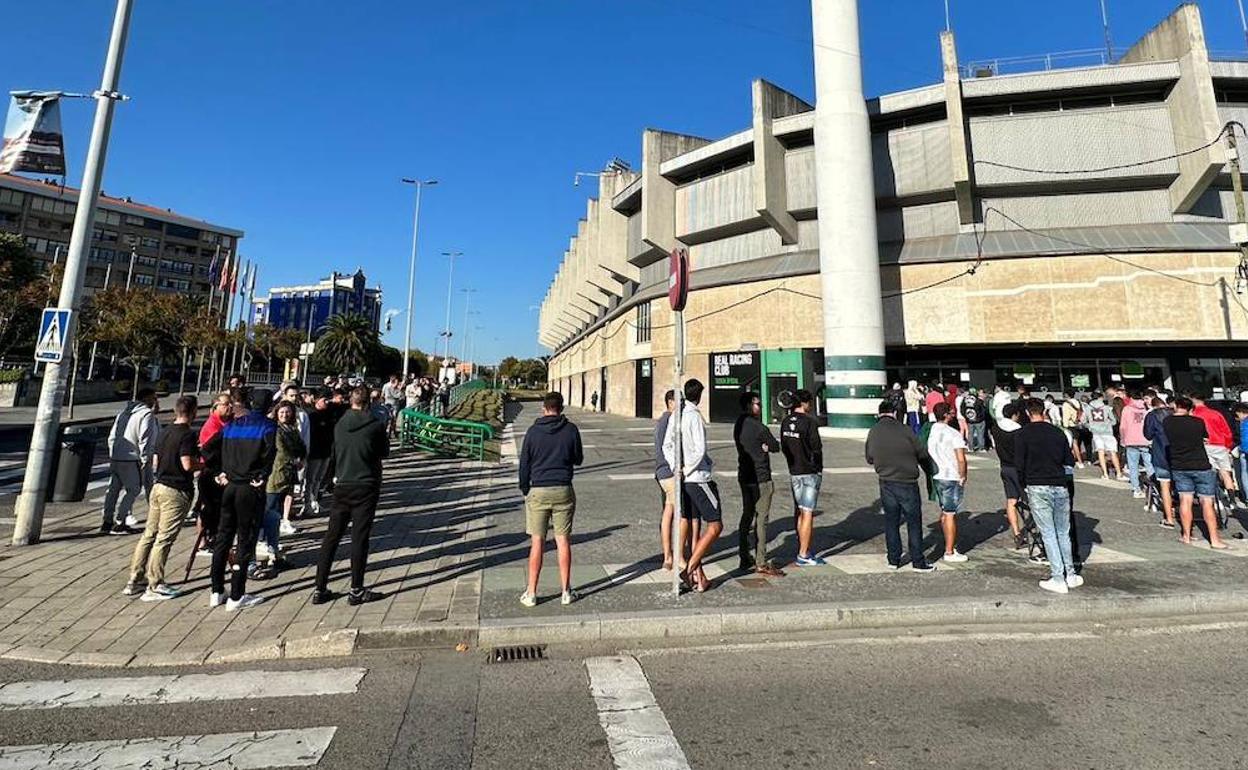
677	296
50	343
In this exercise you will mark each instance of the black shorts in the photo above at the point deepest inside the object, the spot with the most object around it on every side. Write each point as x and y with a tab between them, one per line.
701	501
1009	478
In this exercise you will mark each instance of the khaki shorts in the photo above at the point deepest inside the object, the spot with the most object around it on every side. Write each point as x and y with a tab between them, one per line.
668	485
545	507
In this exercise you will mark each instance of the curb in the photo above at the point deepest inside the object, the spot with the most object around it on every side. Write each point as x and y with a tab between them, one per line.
670	624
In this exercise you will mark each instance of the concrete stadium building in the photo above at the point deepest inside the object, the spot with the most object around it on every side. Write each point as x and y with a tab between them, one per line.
1059	227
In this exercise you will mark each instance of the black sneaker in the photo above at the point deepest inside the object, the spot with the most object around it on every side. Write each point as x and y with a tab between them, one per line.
363	597
122	529
894	566
323	595
923	567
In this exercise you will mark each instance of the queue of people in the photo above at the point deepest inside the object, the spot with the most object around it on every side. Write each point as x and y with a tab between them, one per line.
255	466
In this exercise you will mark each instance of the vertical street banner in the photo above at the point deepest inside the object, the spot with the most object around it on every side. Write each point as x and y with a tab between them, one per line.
32	135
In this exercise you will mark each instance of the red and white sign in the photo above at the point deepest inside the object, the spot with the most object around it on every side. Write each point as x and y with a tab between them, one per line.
678	279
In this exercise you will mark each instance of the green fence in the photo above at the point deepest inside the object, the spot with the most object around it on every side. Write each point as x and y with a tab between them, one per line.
450	438
465	389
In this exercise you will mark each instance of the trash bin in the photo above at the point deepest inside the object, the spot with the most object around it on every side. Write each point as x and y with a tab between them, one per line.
73	465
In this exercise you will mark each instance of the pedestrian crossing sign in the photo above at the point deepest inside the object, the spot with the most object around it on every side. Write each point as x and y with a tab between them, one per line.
50	347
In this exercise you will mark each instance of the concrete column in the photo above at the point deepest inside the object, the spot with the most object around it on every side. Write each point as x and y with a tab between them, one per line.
849	261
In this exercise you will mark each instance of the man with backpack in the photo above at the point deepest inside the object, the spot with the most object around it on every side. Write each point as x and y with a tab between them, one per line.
975	413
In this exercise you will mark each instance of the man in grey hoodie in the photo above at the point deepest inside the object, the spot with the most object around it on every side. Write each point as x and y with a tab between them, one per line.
131	446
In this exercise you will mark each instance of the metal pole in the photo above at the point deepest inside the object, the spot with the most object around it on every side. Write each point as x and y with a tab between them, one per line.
307	357
1243	20
30	504
948	20
678	370
463	350
411	276
130	270
449	275
1109	42
1237	184
108	273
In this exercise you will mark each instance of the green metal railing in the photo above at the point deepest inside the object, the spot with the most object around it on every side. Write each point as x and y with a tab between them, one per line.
460	392
449	438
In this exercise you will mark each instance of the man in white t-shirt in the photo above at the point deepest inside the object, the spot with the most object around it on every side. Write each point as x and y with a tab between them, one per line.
948	450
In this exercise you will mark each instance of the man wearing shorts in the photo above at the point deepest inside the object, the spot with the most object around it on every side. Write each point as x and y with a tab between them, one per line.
667	480
1003	439
948	450
1190	470
700	497
551	450
803	450
1100	420
1220	441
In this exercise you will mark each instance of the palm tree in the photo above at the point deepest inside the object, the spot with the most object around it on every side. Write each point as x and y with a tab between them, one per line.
346	341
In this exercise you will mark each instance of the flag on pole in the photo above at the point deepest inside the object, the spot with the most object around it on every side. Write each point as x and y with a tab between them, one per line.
225	274
32	135
234	277
214	274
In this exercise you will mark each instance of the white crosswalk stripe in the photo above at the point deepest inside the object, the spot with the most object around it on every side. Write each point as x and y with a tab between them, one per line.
190	688
302	747
638	733
268	748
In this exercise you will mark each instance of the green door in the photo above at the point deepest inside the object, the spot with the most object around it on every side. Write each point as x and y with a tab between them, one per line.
781	369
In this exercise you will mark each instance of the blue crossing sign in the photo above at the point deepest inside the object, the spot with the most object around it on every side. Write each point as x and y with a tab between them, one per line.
50	345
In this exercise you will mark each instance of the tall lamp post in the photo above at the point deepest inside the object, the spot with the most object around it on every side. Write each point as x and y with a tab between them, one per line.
450	274
28	511
463	350
411	270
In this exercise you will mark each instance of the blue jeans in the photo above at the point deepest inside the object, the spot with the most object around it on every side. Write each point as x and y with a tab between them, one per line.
1134	455
902	502
271	526
949	495
979	436
1050	508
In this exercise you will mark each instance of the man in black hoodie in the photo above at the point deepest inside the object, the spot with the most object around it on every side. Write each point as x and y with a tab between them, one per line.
551	449
360	444
755	445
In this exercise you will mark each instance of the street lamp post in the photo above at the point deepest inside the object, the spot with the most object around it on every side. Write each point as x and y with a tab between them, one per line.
450	274
29	507
411	271
463	350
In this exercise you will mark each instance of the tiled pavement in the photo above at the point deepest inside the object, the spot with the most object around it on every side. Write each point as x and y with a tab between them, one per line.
64	594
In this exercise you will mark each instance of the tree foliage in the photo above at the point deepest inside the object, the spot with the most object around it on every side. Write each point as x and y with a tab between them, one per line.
140	324
24	291
346	343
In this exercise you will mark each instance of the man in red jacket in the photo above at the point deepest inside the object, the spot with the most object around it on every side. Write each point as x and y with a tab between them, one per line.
1219	443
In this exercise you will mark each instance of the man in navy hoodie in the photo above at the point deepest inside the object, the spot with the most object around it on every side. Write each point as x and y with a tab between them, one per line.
551	449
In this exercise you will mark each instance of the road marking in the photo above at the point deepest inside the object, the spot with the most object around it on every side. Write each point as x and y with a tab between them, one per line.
630	477
268	748
1022	636
189	688
637	732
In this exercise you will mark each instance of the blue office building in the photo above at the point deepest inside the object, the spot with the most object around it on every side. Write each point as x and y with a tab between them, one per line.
307	308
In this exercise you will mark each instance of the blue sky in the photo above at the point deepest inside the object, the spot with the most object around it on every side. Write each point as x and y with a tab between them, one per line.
294	120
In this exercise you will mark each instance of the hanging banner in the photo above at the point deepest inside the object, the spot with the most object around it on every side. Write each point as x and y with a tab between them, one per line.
32	135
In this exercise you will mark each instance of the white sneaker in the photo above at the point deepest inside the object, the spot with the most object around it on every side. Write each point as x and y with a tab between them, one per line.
1074	581
204	553
263	552
286	528
569	596
215	600
131	521
1054	585
528	599
955	557
1080	466
1138	494
244	601
1123	477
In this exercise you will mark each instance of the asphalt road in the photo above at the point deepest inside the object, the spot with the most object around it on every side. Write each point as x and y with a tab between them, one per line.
1107	696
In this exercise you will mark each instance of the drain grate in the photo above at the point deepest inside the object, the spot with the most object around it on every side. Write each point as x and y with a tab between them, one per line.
517	652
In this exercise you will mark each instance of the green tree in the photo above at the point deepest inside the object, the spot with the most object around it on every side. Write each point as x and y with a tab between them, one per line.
142	325
21	292
345	343
275	344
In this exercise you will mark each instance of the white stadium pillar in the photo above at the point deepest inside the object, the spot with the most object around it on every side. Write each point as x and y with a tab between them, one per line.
849	264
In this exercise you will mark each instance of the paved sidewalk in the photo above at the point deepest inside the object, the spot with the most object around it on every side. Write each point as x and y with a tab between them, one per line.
449	551
61	599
